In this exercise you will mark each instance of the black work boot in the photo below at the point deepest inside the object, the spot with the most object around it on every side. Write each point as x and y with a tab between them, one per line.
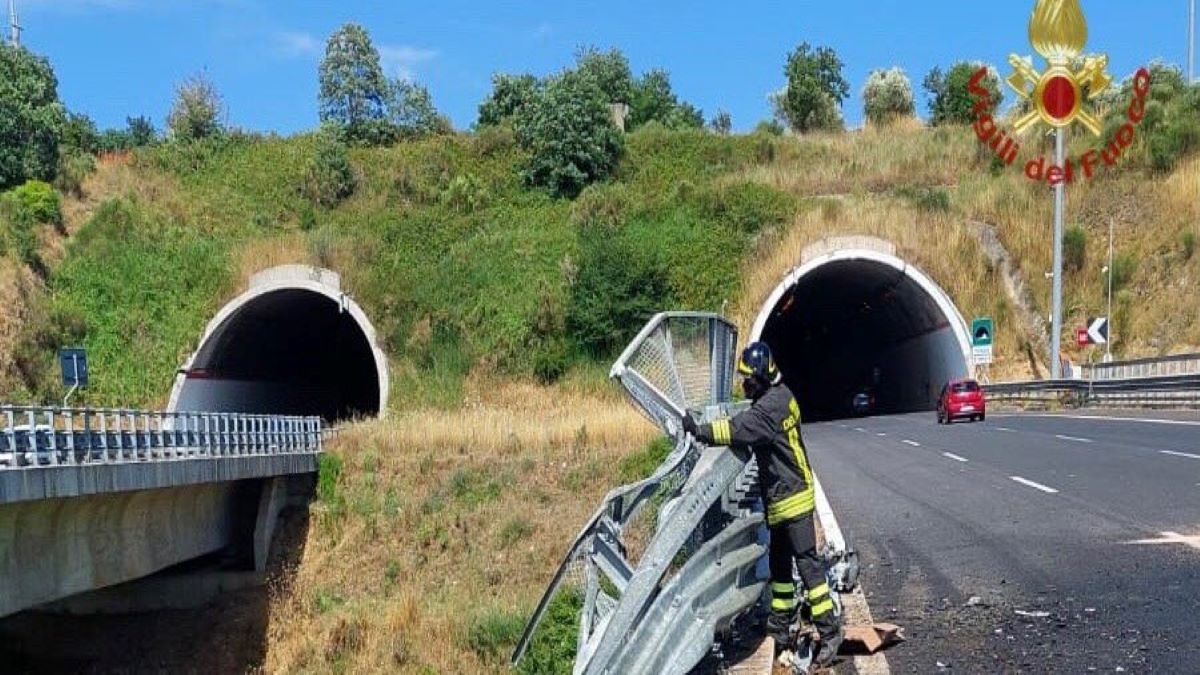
831	641
779	627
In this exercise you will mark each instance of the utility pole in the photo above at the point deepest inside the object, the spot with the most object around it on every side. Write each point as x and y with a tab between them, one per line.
1192	42
1060	196
14	25
1108	345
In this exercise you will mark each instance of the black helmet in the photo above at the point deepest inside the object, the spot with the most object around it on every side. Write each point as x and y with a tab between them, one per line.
758	368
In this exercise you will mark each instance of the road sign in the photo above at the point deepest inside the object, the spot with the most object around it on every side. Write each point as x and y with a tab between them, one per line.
1098	330
1081	337
982	356
982	330
74	367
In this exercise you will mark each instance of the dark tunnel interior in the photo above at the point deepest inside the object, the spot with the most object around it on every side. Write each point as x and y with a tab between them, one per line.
291	352
861	326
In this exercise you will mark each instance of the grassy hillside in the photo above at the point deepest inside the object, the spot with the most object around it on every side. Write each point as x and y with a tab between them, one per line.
435	531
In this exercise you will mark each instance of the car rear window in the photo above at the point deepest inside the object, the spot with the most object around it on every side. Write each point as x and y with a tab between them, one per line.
960	387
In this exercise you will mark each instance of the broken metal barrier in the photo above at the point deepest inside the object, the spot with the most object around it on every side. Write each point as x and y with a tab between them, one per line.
46	436
667	568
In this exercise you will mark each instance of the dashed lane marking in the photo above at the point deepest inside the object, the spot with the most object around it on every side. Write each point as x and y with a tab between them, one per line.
1073	439
912	443
1035	486
881	434
1169	538
955	457
1179	454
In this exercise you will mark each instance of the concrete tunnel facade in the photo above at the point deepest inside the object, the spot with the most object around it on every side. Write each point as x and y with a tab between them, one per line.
292	344
852	317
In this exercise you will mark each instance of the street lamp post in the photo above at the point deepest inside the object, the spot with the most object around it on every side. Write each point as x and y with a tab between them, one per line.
1108	345
1060	194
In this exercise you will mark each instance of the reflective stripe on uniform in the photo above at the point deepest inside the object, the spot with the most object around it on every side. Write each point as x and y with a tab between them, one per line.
783	604
722	432
783	588
799	504
744	368
818	592
820	608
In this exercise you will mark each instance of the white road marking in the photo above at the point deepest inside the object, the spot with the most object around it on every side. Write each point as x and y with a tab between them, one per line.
1179	454
881	434
1147	420
955	457
1074	439
1169	538
855	604
1036	486
860	429
1004	429
912	443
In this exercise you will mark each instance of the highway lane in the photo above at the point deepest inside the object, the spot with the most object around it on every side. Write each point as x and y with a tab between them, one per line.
962	527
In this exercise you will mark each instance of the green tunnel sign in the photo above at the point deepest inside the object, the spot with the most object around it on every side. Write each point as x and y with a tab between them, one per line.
982	330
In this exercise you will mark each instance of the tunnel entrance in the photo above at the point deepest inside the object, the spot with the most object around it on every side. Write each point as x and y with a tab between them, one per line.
855	321
293	344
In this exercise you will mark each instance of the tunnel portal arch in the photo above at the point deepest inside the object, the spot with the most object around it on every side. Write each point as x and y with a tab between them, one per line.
293	343
852	317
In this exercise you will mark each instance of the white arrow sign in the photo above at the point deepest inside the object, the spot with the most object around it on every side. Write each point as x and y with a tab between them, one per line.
1098	331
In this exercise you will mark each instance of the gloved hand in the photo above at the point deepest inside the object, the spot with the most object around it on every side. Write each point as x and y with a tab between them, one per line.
689	425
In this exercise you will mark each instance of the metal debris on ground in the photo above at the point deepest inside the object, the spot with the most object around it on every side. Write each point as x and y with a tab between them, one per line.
869	639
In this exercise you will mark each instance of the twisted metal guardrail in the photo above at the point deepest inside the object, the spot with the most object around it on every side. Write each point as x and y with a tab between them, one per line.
32	436
667	563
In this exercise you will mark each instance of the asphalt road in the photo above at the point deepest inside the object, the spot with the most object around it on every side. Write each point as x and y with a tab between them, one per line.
1005	546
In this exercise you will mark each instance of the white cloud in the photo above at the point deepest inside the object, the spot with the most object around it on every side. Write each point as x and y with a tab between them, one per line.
296	44
399	60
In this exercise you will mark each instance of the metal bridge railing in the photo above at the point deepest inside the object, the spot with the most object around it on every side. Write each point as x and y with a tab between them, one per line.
47	436
1159	366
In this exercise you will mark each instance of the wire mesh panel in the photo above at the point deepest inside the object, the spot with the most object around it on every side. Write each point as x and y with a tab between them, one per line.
680	361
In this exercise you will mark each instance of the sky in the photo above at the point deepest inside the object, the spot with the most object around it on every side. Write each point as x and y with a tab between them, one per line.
116	58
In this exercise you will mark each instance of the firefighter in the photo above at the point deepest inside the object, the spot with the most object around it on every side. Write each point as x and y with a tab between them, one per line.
770	429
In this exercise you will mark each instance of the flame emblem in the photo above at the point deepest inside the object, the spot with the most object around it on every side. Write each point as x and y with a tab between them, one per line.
1058	31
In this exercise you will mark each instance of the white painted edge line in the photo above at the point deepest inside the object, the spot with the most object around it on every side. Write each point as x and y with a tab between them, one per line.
955	457
1179	454
874	664
1036	486
912	443
1105	418
1074	439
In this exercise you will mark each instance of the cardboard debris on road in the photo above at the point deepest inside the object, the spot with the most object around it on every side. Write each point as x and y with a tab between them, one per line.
868	639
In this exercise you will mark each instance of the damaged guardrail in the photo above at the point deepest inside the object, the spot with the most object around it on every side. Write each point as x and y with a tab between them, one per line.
668	563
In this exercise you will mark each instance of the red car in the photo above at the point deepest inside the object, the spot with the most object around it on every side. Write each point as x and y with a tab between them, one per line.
961	399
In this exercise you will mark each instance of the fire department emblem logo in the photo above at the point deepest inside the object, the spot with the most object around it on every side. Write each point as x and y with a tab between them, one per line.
1059	32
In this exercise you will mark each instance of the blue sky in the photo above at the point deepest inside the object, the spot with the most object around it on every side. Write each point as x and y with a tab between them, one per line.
123	57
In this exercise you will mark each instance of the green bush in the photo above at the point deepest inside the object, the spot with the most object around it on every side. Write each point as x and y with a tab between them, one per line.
1187	240
39	202
31	117
746	207
330	177
510	94
493	634
617	288
329	473
1123	268
514	530
887	97
642	464
552	649
1170	129
73	169
925	198
569	135
1074	248
949	95
198	111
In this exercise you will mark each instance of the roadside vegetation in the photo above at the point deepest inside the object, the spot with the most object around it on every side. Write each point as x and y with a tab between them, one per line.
504	267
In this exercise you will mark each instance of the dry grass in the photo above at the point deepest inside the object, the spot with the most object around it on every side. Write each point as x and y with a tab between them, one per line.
282	249
17	286
441	518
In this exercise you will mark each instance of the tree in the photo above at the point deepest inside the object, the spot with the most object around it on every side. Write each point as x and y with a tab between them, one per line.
888	96
609	70
330	177
652	100
198	110
510	93
815	90
141	131
79	134
950	99
569	134
722	122
31	117
354	91
410	109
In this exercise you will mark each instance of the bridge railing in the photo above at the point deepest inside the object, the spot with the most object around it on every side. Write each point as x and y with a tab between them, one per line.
1158	366
32	436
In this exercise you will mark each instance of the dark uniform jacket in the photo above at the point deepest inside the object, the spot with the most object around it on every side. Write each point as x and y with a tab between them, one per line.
770	429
